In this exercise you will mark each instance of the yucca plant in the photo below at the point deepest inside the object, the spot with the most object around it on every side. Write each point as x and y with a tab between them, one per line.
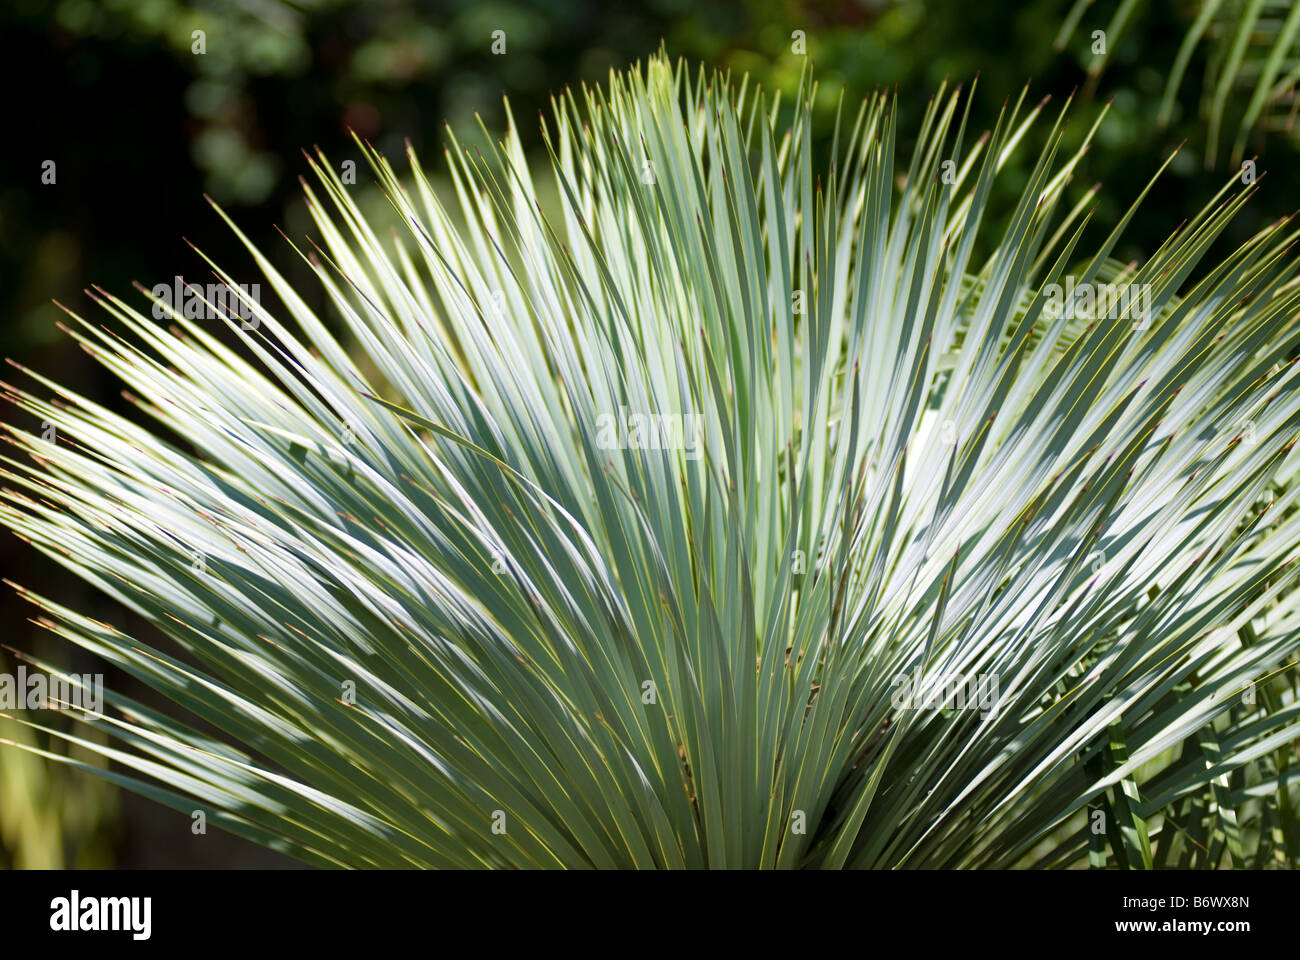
651	530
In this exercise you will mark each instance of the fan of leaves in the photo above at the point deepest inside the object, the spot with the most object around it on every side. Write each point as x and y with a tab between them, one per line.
441	619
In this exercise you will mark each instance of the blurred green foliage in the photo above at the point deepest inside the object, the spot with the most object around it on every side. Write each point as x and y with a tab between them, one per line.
51	817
